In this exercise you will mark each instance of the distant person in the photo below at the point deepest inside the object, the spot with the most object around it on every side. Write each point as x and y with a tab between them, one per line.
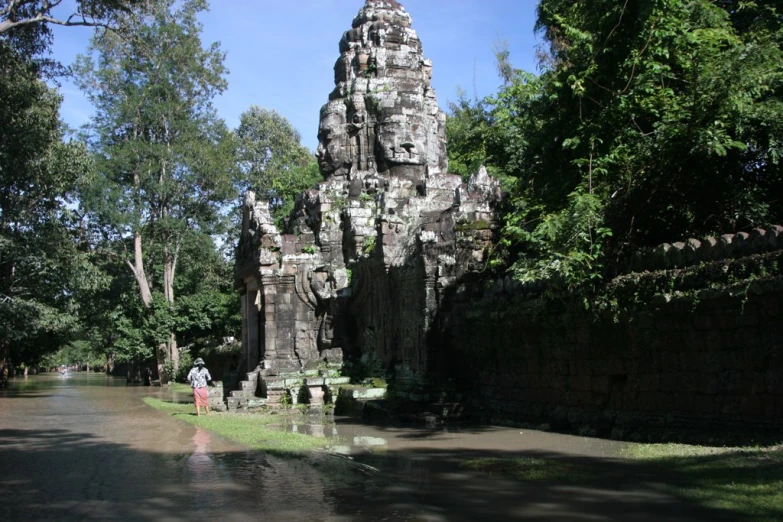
198	377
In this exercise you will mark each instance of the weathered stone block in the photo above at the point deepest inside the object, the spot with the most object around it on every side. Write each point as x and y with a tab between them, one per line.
363	393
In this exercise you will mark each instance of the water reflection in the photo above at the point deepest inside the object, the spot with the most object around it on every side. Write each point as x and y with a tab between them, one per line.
204	473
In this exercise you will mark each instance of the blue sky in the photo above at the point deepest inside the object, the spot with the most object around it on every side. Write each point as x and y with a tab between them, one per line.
280	54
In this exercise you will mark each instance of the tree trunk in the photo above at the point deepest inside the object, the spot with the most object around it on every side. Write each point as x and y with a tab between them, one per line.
138	271
169	268
173	353
161	354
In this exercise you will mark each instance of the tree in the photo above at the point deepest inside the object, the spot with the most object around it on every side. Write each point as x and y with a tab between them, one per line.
651	121
41	266
20	13
470	132
164	160
273	161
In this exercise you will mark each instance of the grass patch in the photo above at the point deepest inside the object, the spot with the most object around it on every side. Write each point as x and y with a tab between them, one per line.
255	431
746	481
529	468
180	387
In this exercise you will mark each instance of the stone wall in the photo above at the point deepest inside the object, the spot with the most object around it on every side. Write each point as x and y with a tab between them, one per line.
694	251
708	360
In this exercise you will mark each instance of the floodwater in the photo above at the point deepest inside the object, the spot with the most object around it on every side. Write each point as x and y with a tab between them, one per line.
85	447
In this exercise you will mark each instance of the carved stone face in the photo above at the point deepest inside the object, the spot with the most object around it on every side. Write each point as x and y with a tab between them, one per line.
400	143
332	151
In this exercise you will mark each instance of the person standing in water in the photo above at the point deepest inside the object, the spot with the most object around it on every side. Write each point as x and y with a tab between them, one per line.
198	377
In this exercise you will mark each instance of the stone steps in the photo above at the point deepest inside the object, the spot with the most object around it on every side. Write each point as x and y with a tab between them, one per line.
317	385
244	403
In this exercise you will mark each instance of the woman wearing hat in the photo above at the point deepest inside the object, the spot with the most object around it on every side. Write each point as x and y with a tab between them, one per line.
198	378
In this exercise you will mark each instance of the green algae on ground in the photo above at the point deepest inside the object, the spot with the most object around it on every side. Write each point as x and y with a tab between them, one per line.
529	468
746	481
254	431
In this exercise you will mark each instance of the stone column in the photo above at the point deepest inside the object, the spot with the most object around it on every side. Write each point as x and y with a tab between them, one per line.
269	299
250	305
243	302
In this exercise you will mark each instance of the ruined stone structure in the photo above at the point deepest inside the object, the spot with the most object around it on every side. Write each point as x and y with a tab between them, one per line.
368	254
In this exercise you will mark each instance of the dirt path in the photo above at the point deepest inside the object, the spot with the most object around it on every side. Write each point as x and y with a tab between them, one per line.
82	449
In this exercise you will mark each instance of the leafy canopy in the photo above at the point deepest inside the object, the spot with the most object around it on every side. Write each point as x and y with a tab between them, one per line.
651	121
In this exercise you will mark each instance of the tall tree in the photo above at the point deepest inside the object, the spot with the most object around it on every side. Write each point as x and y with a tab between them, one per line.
164	159
41	266
273	160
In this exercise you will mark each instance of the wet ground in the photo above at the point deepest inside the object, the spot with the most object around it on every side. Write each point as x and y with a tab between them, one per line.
87	448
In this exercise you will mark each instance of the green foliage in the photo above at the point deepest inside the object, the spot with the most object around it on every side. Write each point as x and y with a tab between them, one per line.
25	26
180	373
76	352
285	400
164	174
651	120
470	135
566	247
15	15
273	161
368	246
164	160
42	263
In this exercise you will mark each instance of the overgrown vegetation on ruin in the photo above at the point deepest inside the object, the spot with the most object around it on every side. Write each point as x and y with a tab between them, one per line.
651	121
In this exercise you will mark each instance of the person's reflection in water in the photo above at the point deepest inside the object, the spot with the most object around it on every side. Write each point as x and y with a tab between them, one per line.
205	475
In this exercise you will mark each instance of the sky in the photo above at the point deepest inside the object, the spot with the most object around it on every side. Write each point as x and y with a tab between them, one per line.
281	54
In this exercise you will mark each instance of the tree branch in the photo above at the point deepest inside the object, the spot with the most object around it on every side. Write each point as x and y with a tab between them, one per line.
41	16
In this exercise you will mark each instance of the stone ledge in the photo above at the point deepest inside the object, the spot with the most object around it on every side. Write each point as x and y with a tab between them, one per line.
694	251
362	393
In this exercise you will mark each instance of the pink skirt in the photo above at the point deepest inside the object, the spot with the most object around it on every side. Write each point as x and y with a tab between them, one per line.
201	396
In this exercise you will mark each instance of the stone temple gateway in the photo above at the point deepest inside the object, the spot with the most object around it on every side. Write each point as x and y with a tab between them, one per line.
364	269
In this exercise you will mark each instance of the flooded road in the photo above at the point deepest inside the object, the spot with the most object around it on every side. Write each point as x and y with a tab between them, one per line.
87	448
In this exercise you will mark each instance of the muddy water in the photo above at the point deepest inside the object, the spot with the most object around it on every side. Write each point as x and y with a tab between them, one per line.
85	447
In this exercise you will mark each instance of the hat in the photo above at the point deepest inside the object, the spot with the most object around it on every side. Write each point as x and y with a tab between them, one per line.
198	361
